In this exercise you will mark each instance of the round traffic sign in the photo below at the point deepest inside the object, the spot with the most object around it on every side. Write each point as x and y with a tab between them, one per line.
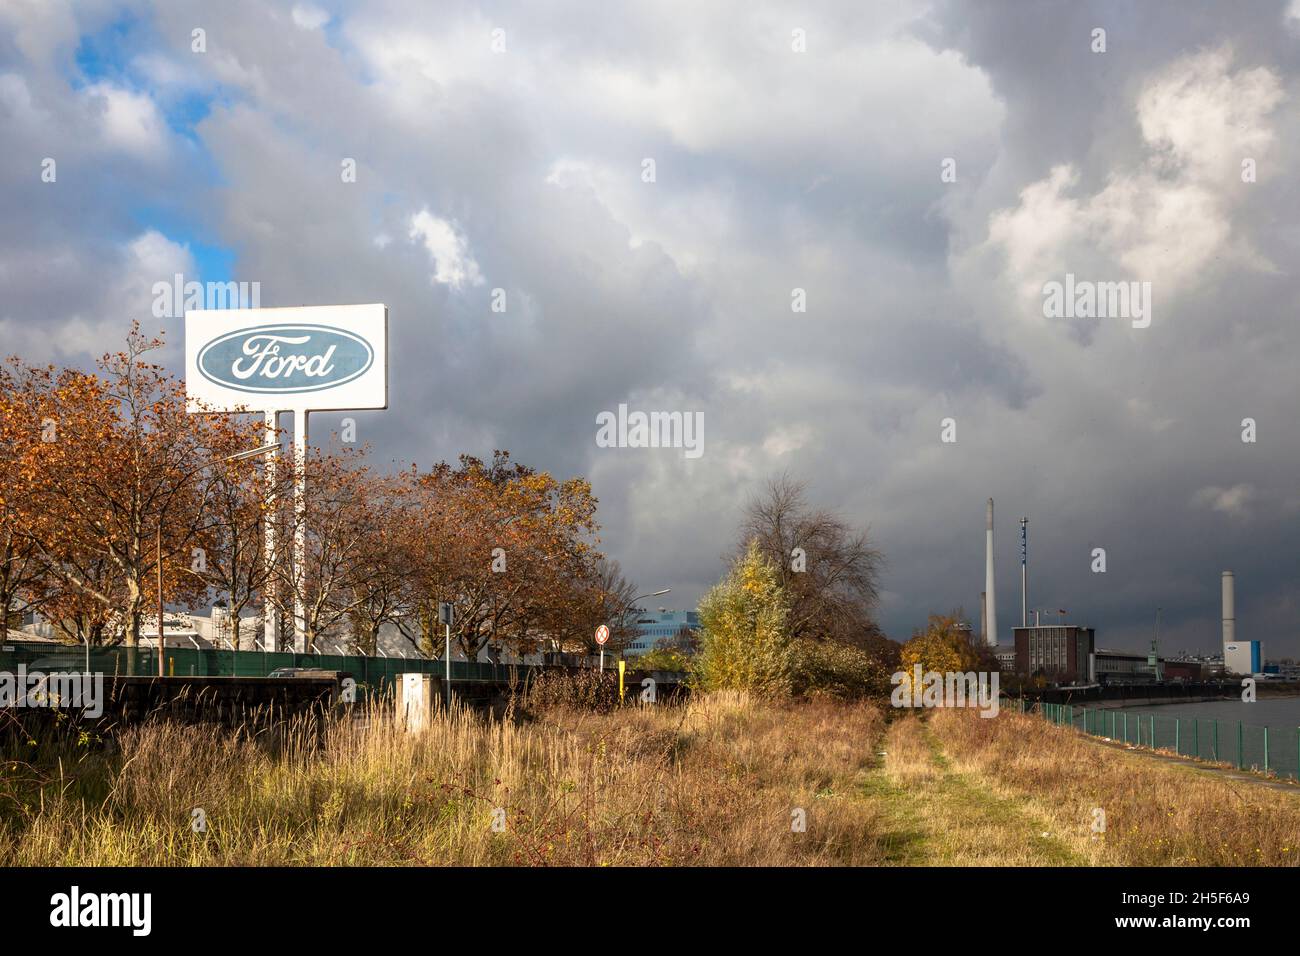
602	634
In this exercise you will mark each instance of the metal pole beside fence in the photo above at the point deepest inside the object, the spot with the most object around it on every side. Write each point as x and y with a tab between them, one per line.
1266	750
1178	735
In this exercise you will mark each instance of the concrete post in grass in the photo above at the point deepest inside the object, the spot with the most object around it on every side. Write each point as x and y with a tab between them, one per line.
418	699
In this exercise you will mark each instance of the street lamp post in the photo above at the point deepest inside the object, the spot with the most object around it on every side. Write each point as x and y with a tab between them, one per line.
161	628
632	605
446	617
238	456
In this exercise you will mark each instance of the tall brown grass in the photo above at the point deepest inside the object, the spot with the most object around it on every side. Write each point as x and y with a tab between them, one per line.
1156	813
713	781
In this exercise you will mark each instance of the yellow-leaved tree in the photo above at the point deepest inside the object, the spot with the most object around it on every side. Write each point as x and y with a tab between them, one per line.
943	646
745	639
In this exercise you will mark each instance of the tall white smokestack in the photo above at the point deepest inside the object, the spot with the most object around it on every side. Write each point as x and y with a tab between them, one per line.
991	635
1024	572
1229	609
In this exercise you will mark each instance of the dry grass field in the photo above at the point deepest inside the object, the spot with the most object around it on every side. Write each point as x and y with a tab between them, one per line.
1157	812
716	781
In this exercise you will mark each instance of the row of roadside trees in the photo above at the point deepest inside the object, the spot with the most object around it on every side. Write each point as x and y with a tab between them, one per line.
94	464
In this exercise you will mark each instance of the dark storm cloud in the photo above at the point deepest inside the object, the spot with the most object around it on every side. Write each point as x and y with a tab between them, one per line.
776	170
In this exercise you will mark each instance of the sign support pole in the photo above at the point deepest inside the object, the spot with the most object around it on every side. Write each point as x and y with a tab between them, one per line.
299	527
298	360
270	628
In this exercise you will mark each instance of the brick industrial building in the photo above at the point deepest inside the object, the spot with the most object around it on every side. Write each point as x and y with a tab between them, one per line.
1068	654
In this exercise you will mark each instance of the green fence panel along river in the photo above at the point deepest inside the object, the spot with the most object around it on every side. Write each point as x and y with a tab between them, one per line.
1264	735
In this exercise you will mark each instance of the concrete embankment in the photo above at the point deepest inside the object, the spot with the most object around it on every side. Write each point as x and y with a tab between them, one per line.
1152	701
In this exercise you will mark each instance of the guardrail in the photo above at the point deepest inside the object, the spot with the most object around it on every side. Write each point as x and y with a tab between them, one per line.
212	662
374	672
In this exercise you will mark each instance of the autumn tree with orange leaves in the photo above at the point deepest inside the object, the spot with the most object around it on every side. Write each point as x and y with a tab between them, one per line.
19	568
108	460
510	546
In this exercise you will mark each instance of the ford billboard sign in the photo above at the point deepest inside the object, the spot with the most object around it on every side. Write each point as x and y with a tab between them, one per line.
285	358
310	358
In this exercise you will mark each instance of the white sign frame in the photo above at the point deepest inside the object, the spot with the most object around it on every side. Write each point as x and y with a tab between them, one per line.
366	390
205	328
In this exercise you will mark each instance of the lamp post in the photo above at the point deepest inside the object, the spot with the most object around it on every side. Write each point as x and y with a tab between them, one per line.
446	617
238	456
632	604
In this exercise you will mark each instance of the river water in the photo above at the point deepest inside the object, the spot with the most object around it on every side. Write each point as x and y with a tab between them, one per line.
1212	730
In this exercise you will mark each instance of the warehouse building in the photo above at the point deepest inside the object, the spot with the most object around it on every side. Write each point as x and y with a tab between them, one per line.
1063	653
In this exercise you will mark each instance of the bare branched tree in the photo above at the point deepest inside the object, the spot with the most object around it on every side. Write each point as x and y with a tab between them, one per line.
830	571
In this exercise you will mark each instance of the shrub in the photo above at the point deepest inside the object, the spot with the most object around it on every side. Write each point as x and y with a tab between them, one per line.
585	689
745	644
662	659
840	671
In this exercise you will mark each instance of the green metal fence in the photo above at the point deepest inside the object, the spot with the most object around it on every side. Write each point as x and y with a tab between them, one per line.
376	672
1245	746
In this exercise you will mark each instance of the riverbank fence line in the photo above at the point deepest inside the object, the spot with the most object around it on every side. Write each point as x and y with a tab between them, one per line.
1245	746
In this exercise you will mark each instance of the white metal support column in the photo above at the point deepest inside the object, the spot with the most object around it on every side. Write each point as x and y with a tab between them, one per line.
300	439
269	613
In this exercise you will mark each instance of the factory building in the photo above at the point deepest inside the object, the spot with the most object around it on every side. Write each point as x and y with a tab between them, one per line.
1115	667
1244	657
1068	654
1063	653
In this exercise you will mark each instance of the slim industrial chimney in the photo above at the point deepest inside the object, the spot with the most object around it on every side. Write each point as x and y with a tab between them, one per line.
991	635
1024	572
984	618
1229	609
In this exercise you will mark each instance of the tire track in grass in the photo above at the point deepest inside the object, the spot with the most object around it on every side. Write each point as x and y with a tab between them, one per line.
938	816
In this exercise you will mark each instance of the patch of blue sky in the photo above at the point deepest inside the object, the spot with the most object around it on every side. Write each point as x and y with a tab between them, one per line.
112	55
337	38
213	261
104	56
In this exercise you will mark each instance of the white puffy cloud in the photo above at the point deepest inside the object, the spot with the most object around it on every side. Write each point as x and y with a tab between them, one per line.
1234	502
448	250
128	120
1165	219
308	16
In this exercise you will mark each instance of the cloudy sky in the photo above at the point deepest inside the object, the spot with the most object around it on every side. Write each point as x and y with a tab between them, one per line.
920	170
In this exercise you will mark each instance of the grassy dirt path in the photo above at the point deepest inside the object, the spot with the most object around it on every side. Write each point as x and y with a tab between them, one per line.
1150	809
937	815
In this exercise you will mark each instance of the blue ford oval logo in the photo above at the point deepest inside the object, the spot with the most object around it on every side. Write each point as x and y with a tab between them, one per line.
285	358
